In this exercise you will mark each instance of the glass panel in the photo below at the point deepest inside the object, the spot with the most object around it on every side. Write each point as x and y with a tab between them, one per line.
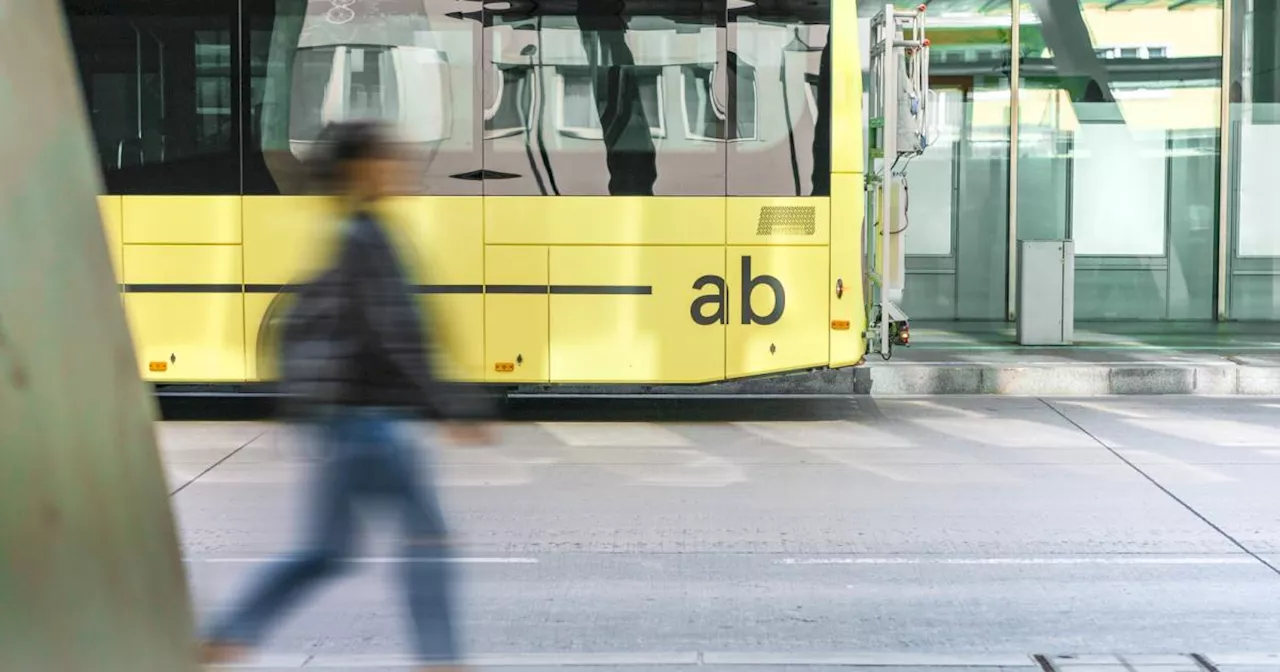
957	233
607	99
510	94
777	84
1118	128
160	88
707	111
315	62
1254	261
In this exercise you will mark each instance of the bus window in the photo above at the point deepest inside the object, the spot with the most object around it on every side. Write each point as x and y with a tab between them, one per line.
604	108
782	84
313	62
160	86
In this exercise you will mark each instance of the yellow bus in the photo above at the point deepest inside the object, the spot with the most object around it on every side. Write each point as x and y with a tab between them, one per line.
615	192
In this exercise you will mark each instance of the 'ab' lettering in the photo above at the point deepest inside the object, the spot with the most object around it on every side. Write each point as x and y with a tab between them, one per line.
718	300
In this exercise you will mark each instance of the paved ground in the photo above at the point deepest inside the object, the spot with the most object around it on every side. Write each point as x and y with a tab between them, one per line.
929	534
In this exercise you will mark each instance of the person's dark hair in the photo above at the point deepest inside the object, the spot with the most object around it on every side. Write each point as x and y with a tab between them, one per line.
345	142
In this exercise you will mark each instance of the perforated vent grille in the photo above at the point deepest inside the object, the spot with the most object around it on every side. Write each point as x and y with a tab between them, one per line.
787	220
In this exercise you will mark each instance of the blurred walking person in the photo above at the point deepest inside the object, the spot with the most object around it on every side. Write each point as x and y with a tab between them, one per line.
355	366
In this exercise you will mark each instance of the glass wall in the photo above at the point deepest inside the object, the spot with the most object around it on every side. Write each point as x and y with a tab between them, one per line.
1253	259
1118	149
957	235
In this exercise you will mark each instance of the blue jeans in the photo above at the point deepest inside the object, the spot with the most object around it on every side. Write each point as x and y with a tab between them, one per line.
367	456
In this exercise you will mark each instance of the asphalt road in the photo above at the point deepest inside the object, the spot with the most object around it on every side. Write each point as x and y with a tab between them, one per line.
931	534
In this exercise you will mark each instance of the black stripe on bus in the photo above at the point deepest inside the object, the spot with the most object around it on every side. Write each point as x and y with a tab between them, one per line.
516	289
181	288
189	288
449	289
419	289
602	289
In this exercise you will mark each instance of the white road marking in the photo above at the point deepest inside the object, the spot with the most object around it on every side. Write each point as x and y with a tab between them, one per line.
950	410
869	659
1114	560
1214	432
369	560
740	658
828	434
920	472
488	468
640	434
1110	407
1177	468
850	459
357	661
670	467
1009	432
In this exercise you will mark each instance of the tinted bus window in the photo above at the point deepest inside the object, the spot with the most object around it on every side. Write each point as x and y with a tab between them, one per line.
159	81
315	62
780	58
609	98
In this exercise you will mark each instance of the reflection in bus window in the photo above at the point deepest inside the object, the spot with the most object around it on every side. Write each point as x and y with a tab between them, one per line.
509	112
408	62
788	50
708	115
579	111
605	90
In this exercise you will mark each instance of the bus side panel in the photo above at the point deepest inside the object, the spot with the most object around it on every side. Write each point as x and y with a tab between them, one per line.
516	305
777	308
113	226
605	220
186	311
182	220
441	241
848	311
285	239
636	314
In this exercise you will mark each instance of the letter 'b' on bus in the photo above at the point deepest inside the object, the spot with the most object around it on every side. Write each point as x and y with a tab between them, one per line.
749	285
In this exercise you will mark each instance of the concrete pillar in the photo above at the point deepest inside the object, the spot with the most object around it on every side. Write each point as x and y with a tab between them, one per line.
90	572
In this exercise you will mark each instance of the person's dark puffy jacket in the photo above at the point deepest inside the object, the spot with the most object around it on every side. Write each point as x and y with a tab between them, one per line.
360	338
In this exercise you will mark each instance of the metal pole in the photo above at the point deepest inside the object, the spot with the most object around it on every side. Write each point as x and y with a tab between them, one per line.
889	71
1015	120
1224	165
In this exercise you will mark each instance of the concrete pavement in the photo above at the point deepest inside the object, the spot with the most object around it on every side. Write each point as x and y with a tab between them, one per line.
935	534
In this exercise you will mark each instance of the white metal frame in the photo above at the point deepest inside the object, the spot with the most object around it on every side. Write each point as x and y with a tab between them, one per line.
887	323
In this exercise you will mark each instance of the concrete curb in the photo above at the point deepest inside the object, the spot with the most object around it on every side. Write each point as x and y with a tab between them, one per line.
1217	378
1074	380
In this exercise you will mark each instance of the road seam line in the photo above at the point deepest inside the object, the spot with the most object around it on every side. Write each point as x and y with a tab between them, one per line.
1164	489
217	464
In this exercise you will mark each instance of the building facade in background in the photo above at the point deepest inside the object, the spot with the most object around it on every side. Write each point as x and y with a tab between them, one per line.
1101	121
